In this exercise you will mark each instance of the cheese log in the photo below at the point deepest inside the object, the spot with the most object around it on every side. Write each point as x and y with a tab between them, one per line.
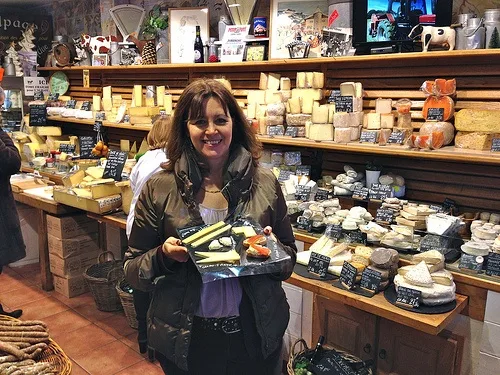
273	81
383	105
300	81
384	258
96	103
374	120
320	132
263	81
318	80
387	121
342	135
476	120
475	140
285	84
320	114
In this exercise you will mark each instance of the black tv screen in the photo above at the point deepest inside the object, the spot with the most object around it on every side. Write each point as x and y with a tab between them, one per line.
387	23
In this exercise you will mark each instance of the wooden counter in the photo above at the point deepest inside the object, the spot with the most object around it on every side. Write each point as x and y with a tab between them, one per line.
378	305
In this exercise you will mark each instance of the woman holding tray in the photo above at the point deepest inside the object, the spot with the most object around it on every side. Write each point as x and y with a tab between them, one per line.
227	326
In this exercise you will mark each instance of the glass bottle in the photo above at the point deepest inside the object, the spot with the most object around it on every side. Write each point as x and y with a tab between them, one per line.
198	47
212	51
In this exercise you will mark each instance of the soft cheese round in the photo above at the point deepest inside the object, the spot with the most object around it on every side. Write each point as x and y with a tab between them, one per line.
433	294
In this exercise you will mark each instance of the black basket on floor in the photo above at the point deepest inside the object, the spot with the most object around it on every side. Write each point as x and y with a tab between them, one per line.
101	279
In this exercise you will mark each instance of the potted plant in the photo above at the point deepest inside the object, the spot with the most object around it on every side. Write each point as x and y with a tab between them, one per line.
155	28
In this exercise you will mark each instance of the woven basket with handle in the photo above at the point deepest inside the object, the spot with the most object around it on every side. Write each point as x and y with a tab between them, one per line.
101	279
53	354
295	353
127	300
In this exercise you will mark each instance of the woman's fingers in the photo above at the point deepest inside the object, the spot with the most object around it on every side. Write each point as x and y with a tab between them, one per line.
268	230
172	249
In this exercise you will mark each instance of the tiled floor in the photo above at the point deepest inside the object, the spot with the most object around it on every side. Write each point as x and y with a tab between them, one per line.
98	343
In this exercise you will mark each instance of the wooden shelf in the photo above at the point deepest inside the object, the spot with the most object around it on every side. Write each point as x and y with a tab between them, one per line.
378	305
448	153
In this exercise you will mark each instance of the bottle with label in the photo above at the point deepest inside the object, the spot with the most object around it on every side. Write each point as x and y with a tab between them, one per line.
198	47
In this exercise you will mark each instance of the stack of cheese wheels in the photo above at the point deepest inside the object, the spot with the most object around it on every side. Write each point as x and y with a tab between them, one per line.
384	261
427	274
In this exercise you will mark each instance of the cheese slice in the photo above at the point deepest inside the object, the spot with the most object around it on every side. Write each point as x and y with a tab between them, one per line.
203	232
106	92
419	275
167	104
273	81
442	277
246	230
429	257
217	256
160	95
210	236
96	103
82	193
137	96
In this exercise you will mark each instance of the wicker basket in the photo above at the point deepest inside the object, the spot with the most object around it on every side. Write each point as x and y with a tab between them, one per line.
53	354
127	301
101	279
308	352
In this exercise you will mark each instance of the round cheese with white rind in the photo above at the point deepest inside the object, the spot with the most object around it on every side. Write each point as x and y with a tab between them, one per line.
435	295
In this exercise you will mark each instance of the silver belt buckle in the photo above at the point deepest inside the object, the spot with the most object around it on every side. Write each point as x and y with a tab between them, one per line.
231	325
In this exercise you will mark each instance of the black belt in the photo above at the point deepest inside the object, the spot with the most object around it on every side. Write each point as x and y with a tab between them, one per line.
227	325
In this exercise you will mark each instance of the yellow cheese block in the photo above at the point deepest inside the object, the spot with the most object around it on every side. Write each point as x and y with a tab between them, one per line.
478	120
73	179
160	95
246	230
47	130
203	232
36	138
104	190
107	104
210	236
83	193
116	100
106	92
475	140
138	111
167	104
137	96
95	172
96	103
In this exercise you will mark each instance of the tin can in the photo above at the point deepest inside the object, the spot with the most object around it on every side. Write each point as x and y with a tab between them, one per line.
260	27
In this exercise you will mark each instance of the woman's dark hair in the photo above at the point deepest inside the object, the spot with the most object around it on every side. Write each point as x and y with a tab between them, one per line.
192	105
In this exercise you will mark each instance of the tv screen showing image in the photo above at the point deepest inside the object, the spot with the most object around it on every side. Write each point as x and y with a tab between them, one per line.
388	22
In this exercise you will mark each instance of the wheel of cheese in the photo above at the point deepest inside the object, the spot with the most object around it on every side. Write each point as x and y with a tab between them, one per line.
444	102
446	127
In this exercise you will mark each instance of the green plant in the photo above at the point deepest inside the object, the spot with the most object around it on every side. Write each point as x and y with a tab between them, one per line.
373	166
155	21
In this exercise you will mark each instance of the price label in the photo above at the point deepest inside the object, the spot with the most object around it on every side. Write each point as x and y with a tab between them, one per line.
368	137
114	165
87	143
321	195
333	95
97	126
304	223
343	104
276	130
435	114
396	137
360	193
38	115
292	131
449	205
493	264
436	207
100	116
38	95
334	231
67	148
348	275
471	262
409	297
284	175
370	279
384	215
354	237
71	103
53	96
86	106
379	192
303	170
302	192
318	264
495	145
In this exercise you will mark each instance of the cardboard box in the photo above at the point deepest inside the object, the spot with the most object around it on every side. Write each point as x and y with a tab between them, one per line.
71	286
98	206
70	226
65	248
72	266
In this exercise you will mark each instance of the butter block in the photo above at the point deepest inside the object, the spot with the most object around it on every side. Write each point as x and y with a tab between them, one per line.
96	103
383	105
478	120
387	121
374	120
320	132
320	114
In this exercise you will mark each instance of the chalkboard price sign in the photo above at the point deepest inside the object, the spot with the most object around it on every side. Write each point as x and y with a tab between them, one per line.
292	131
334	231
370	279
384	215
331	362
318	264
436	207
343	104
368	137
71	103
471	262
304	223
276	130
114	165
333	95
435	114
87	143
302	192
303	170
69	149
354	236
86	106
284	175
38	115
348	275
380	192
321	195
53	96
493	264
396	137
360	193
409	297
495	144
97	126
100	116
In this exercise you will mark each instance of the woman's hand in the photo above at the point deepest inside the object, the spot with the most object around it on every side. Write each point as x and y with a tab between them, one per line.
172	249
268	230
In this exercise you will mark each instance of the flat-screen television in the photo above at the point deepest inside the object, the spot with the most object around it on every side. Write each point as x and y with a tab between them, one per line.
383	25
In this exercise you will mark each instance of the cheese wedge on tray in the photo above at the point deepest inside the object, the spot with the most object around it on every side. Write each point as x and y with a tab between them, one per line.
217	256
203	234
